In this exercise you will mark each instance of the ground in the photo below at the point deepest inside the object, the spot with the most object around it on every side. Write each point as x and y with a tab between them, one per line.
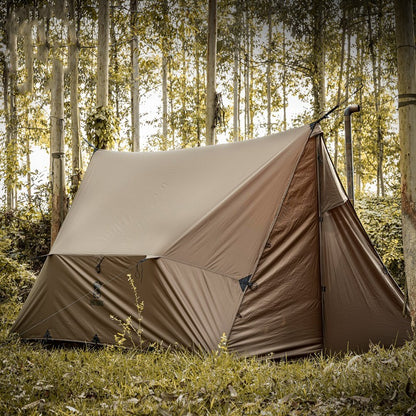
112	381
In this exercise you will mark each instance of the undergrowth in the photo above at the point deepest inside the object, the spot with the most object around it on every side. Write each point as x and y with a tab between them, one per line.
112	381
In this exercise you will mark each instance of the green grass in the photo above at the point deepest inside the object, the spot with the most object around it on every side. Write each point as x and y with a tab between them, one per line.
35	380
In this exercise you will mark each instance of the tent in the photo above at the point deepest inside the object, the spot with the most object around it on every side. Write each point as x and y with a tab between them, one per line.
256	240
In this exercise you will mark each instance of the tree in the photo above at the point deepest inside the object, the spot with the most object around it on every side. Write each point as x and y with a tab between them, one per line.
11	140
57	149
73	57
211	71
135	98
406	64
103	57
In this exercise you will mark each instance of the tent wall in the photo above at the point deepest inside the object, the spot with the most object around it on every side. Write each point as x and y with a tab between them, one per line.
73	302
362	303
182	304
186	305
282	316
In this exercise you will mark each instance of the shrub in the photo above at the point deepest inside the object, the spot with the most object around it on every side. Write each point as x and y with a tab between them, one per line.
381	218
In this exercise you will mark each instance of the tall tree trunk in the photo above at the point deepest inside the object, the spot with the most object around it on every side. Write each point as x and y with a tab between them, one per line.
246	75
73	59
197	97
135	99
268	71
318	59
170	95
28	171
284	79
380	136
11	151
8	128
57	149
164	96
114	84
406	63
183	94
26	29
211	71
103	57
251	83
358	168
165	9
375	73
236	75
339	87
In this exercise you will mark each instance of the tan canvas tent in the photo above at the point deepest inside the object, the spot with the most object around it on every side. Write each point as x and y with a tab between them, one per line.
255	240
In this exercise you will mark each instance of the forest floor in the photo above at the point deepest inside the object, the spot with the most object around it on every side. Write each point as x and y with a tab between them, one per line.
36	380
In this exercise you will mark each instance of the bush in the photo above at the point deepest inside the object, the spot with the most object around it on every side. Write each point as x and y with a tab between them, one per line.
26	237
381	218
15	280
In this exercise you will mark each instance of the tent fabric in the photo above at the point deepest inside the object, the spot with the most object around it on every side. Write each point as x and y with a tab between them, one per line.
255	240
289	319
359	292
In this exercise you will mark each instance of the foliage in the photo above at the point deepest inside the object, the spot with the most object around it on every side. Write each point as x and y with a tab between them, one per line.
381	217
25	237
130	332
101	128
15	280
35	380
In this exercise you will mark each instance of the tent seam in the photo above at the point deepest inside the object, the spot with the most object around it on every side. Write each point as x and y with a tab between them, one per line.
273	222
198	267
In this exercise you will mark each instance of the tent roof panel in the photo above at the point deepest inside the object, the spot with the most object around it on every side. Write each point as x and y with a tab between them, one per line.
140	203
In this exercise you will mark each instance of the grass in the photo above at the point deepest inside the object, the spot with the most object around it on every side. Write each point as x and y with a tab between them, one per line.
35	380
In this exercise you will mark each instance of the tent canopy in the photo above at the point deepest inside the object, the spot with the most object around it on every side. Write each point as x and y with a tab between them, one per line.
255	239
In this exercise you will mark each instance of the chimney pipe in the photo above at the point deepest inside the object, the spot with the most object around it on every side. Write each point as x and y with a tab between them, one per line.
353	108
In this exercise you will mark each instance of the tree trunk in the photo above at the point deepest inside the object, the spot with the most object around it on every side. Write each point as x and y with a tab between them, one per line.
73	59
358	167
170	95
28	172
57	149
339	87
406	63
26	28
268	72
236	75
211	71
318	59
114	84
8	130
164	96
250	83
135	99
102	56
165	9
246	76
284	79
11	150
375	74
197	97
183	93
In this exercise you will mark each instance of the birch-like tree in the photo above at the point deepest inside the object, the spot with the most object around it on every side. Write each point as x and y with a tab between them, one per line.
406	65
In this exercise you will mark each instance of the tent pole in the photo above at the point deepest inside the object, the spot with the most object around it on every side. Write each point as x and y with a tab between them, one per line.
353	108
320	218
